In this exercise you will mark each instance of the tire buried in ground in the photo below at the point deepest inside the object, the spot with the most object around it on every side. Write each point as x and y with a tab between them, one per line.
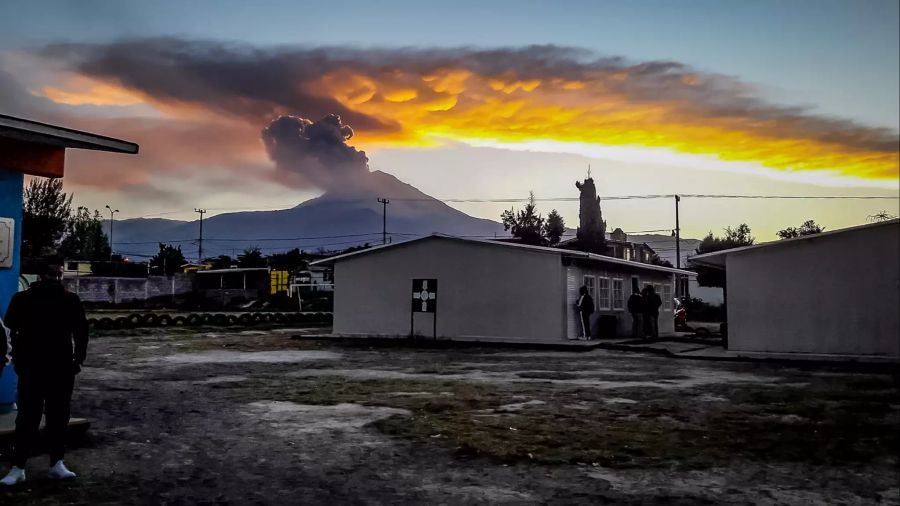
164	321
219	319
151	320
179	321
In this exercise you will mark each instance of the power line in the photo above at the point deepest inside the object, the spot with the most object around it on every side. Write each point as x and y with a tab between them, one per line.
559	199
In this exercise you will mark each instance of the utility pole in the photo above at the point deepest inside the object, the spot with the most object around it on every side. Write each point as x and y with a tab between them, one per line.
677	235
111	215
384	202
200	241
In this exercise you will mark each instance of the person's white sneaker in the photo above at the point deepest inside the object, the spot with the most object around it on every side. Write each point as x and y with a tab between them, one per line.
59	472
15	475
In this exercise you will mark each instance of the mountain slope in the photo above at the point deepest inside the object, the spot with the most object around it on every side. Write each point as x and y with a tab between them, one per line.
335	220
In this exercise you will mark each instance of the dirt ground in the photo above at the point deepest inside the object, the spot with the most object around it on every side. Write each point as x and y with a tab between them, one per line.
256	417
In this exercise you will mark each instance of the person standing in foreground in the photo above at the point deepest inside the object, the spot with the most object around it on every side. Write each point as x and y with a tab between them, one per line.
45	322
636	308
585	308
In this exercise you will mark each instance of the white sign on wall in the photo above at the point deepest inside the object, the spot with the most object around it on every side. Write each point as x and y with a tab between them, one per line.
7	242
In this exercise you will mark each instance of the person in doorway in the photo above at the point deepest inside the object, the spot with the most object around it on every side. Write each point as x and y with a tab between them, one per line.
585	308
636	308
651	302
49	345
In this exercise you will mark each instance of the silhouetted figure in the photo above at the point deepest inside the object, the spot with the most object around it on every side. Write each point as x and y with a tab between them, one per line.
585	307
49	344
636	308
651	302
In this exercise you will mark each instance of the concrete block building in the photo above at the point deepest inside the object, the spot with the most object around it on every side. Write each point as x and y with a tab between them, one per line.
831	293
487	290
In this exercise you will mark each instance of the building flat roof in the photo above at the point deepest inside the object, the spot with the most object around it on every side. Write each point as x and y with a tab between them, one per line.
499	244
716	259
237	269
52	135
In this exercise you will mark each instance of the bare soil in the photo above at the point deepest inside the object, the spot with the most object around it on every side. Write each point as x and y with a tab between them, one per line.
207	416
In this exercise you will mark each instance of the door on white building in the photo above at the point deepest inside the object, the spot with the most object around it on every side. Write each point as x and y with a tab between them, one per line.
573	326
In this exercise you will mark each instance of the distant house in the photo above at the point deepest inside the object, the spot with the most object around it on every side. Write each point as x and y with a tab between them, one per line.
831	293
77	268
232	285
487	290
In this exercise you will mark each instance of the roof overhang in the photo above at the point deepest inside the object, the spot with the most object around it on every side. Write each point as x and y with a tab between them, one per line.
717	259
38	149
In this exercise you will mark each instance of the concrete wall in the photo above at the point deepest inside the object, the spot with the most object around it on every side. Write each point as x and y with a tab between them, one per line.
116	290
483	291
625	273
11	187
831	294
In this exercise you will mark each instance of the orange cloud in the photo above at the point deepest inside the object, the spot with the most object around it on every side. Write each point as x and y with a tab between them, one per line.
539	93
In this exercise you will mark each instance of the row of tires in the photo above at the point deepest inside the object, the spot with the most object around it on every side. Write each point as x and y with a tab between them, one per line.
196	319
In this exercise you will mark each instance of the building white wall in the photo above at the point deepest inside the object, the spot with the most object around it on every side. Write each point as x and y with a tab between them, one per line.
832	294
483	291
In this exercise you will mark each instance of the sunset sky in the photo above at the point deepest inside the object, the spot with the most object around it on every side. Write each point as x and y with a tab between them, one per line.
478	100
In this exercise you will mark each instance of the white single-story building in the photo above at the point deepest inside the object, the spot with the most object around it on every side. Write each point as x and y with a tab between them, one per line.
831	293
490	290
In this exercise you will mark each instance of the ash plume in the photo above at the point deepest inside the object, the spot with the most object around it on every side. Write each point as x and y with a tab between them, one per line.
315	153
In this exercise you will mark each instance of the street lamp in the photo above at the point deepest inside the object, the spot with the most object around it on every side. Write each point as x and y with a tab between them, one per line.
112	213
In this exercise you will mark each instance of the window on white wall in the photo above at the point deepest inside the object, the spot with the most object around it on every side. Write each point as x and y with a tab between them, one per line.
602	293
588	283
618	294
667	297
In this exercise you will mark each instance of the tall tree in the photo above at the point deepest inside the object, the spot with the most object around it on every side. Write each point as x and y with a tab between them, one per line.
251	257
168	260
809	227
554	228
591	234
45	211
733	238
289	260
526	225
84	239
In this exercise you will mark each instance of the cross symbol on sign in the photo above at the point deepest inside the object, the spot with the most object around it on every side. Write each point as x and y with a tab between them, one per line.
424	292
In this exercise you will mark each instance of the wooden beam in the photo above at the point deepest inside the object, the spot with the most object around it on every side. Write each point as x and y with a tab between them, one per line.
32	159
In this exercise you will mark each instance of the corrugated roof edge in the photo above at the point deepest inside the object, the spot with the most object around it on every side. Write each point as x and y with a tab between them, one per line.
705	257
537	249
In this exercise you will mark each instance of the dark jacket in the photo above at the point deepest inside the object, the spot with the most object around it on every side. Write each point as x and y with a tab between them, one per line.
652	302
587	304
45	321
635	303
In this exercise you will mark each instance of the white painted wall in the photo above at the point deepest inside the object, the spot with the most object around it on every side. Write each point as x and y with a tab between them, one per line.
483	291
836	294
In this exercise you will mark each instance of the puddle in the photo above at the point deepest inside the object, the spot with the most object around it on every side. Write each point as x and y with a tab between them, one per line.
241	357
289	419
619	400
519	405
220	379
490	494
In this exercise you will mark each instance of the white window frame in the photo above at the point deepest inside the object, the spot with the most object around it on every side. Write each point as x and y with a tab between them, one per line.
667	297
607	292
617	304
591	287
